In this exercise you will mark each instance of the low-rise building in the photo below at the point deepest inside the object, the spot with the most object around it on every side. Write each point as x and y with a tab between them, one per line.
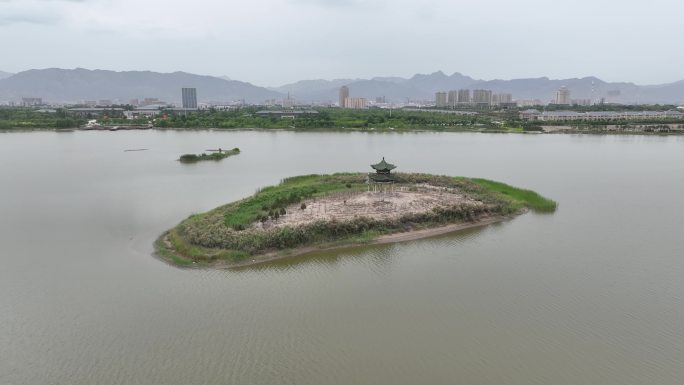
96	111
599	115
530	114
142	112
356	103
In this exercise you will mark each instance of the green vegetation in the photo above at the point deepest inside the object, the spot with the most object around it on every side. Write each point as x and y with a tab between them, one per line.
270	200
192	158
166	253
376	119
523	198
12	118
233	233
329	118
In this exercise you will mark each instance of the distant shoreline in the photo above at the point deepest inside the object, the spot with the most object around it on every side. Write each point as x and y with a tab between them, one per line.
354	130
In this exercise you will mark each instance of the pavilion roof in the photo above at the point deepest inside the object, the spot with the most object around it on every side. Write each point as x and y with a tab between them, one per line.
383	166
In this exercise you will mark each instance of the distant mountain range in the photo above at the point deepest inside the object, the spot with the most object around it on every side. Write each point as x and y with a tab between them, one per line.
65	85
420	86
61	85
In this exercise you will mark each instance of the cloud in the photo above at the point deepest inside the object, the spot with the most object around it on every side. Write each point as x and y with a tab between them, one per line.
57	1
33	11
275	41
13	17
6	20
335	3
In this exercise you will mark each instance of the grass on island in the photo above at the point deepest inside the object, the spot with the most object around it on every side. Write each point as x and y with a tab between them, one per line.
192	158
270	201
226	233
526	198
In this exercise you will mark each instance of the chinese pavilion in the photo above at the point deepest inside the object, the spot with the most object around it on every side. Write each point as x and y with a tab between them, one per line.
382	176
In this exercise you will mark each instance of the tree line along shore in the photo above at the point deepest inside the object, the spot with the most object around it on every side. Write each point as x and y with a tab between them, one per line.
373	119
315	212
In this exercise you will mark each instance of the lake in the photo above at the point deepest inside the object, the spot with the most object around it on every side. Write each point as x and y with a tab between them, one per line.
591	294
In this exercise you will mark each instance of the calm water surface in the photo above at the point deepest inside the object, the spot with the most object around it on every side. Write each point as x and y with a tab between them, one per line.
593	294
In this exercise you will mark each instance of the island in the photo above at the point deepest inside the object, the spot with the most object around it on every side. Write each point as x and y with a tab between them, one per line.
315	212
215	155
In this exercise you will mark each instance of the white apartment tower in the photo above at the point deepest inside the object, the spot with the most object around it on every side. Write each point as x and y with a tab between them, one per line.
563	96
452	99
482	97
463	97
441	99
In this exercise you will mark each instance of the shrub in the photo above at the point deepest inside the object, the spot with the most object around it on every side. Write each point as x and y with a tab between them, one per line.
203	156
348	185
189	158
282	211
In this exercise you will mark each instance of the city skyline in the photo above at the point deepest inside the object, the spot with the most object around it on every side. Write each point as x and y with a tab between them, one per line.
82	86
566	38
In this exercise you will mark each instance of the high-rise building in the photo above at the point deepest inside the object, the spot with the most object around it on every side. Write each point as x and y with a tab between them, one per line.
452	99
28	102
441	99
344	94
190	98
529	102
288	102
502	99
581	102
463	97
563	96
482	97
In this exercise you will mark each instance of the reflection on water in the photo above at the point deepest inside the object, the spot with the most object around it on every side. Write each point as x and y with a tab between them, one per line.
378	257
591	294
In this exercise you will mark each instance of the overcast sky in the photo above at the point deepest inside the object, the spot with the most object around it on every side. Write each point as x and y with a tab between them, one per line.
273	42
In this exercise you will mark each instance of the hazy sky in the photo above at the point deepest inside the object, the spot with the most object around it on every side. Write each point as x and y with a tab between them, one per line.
272	42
